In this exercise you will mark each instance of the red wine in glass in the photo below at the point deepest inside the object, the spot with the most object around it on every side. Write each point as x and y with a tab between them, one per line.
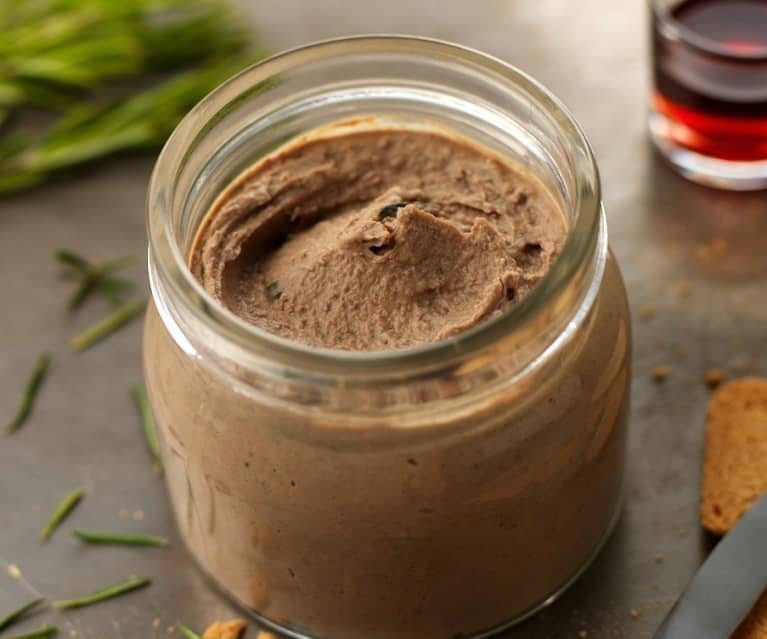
710	77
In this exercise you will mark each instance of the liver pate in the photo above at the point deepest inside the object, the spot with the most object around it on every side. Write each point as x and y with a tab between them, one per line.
367	237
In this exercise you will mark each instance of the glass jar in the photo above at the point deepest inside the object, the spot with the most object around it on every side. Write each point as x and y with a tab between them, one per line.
449	489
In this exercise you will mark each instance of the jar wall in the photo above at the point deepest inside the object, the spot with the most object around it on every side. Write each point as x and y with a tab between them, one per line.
329	532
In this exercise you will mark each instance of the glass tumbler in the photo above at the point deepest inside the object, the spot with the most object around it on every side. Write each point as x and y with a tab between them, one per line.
708	108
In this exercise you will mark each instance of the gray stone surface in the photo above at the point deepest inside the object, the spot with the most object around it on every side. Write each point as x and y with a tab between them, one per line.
84	430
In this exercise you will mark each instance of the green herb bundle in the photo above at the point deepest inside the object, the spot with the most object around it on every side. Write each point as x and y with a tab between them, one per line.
81	58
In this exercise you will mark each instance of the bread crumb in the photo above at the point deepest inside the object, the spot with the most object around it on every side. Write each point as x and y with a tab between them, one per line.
647	311
171	629
660	373
138	515
683	290
713	377
156	623
720	247
14	572
124	513
73	633
225	630
717	248
265	634
634	613
583	634
659	558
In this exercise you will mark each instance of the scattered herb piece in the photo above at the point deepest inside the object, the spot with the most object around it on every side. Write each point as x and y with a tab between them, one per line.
106	326
134	583
72	259
273	290
188	632
119	539
95	277
57	50
660	373
17	614
61	53
44	633
94	130
391	210
148	424
61	511
30	393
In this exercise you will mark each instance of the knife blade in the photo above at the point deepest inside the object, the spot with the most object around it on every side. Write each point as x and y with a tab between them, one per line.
727	585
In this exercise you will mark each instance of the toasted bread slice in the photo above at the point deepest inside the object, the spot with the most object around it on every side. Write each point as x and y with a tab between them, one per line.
754	626
735	466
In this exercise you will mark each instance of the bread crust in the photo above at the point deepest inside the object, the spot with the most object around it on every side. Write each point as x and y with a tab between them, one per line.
735	464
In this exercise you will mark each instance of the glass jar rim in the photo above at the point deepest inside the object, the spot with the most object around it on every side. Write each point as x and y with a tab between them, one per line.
582	237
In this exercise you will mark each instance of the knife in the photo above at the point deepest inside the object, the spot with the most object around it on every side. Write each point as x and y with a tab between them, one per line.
727	585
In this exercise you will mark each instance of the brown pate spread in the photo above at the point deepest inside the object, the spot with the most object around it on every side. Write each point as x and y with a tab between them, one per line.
362	236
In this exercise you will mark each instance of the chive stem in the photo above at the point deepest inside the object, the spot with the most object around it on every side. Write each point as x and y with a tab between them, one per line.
134	583
81	292
116	263
70	258
148	424
119	539
17	614
273	290
44	633
94	276
107	326
64	507
30	393
188	632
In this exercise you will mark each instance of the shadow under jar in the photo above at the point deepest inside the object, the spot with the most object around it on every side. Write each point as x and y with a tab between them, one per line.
447	489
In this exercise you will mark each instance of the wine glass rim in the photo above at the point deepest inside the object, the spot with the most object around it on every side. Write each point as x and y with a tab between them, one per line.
673	29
